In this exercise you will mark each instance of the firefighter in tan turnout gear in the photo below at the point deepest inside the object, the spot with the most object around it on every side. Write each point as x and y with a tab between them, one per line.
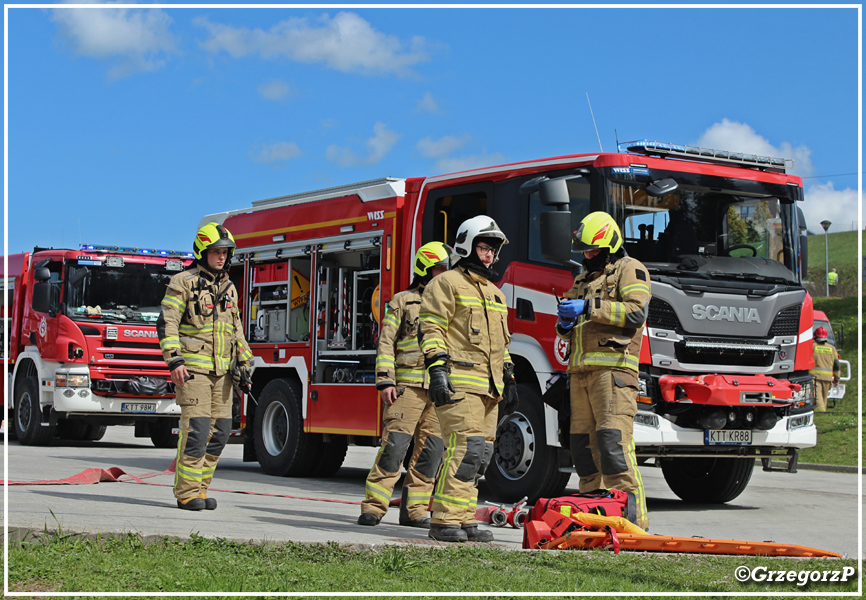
603	320
401	383
827	368
464	338
201	337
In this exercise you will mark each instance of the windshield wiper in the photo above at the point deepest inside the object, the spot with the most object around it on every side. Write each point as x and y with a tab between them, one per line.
749	277
676	272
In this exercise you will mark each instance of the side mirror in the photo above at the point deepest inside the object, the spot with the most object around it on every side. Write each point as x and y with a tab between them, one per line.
551	192
42	296
555	231
41	274
661	187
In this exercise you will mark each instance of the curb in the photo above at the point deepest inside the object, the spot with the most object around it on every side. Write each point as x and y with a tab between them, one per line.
819	467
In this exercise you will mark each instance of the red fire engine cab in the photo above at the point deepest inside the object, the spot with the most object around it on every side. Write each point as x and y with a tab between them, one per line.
82	345
727	349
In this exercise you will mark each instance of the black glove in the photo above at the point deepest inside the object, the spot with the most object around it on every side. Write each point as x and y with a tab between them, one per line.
242	379
509	401
440	389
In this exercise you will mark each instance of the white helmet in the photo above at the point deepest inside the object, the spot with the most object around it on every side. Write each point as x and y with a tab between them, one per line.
480	226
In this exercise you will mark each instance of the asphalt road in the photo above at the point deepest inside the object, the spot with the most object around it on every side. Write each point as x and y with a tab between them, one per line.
810	508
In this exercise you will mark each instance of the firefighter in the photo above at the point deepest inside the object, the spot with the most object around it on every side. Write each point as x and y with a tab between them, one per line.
603	319
401	383
832	279
201	338
464	337
826	371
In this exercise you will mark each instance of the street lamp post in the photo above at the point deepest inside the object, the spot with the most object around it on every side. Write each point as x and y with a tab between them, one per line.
826	226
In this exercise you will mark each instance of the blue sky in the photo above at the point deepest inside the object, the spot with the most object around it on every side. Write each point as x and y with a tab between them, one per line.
127	124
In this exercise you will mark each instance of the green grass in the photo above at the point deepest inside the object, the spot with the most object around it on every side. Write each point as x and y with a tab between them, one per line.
843	255
837	428
125	563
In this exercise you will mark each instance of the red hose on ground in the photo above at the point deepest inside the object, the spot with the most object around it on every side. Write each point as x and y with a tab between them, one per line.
118	475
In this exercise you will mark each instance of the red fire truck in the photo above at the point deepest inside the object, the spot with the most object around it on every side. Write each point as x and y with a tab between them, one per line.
82	345
727	347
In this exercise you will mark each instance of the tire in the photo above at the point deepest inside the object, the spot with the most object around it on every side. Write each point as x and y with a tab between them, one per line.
331	456
28	415
160	432
708	480
79	431
282	446
523	464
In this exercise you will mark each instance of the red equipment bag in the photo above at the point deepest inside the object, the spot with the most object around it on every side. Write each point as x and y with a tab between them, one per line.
608	503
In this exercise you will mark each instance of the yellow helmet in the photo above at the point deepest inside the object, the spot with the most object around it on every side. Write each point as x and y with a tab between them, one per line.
429	255
597	230
213	235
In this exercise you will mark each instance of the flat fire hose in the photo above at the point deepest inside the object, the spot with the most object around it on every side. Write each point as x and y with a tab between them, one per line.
118	475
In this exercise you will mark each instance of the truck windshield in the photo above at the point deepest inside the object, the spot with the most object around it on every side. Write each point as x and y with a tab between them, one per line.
712	232
132	292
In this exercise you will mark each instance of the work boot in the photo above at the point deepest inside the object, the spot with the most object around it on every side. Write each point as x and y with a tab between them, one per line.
368	519
473	534
447	533
209	503
194	503
405	519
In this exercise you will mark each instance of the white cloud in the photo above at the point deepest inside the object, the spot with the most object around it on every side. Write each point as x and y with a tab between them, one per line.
345	42
445	145
740	137
378	146
465	163
271	153
328	123
275	89
825	203
135	40
428	104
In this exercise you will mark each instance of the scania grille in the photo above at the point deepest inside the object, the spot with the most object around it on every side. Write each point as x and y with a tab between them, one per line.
707	351
127	354
787	321
663	316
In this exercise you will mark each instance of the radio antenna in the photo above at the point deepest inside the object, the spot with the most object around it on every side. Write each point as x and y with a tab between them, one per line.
593	122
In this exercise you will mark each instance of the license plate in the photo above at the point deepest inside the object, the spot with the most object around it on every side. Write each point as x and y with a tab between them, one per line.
138	407
728	437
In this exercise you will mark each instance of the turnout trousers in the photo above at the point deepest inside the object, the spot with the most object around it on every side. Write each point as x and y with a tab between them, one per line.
822	391
469	430
411	415
205	424
603	408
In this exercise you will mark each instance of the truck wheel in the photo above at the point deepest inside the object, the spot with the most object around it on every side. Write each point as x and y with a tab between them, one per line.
28	415
523	464
331	456
708	480
282	446
160	432
95	432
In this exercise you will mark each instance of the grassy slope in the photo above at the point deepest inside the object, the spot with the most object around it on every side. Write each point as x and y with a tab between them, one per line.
843	255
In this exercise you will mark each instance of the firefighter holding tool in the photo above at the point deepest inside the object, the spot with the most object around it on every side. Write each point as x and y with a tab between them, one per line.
827	368
464	337
401	383
603	318
201	338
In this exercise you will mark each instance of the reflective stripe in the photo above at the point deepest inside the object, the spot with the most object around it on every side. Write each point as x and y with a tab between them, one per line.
617	314
497	307
608	359
390	319
198	360
433	343
188	473
408	344
434	319
467	300
377	491
410	375
451	501
171	300
169	342
416	498
385	361
635	287
245	353
474	380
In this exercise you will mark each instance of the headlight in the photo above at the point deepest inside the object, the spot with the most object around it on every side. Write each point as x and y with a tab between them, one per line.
799	421
71	380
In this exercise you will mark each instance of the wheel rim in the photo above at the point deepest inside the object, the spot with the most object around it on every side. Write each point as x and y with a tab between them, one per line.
514	448
275	428
24	412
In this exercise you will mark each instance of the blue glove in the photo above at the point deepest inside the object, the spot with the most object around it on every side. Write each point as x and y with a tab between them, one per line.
569	310
566	324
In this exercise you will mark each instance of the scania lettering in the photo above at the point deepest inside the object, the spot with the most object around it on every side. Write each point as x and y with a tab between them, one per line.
725	313
719	230
83	349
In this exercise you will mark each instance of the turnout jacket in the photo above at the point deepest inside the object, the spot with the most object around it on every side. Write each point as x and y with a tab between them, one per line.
199	325
399	359
465	316
826	362
609	335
